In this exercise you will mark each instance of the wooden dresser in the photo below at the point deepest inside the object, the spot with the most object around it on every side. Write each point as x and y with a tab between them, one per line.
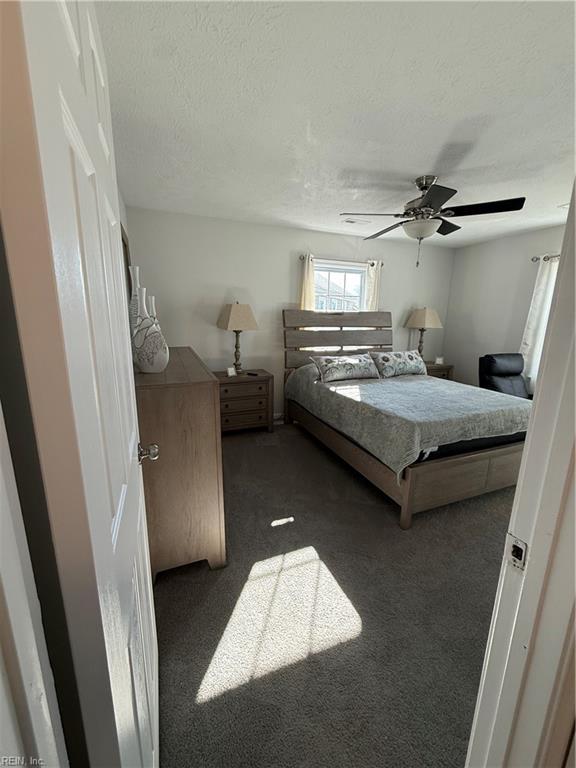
246	400
180	411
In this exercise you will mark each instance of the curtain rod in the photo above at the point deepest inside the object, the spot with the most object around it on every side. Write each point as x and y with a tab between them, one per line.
546	257
340	261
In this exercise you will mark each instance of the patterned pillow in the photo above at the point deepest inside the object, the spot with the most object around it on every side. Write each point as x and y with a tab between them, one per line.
342	367
398	363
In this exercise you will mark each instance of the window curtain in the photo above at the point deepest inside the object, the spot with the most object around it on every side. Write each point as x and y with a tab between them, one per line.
535	330
308	295
373	285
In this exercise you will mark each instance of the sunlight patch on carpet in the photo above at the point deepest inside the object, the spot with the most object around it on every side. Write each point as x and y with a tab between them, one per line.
281	521
290	608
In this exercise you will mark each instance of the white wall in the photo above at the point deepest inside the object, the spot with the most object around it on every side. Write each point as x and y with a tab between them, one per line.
194	265
490	295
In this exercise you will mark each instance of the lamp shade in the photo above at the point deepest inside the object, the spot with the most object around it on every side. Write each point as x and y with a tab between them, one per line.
423	318
237	317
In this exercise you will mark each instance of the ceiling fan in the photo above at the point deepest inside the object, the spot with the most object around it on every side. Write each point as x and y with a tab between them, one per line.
425	215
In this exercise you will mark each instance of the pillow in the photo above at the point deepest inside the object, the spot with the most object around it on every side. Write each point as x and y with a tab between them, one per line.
398	363
306	373
342	367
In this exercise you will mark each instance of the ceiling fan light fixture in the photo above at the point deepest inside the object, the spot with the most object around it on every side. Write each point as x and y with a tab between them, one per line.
421	228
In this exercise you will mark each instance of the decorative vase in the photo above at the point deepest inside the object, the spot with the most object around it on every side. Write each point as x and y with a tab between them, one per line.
152	309
133	306
149	347
152	312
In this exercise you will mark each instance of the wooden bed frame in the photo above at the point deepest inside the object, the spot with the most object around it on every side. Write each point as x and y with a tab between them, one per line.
423	486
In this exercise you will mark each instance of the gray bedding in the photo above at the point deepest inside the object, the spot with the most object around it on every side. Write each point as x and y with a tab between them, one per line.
399	418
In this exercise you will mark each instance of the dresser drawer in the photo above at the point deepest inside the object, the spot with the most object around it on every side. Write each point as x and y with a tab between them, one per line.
242	390
244	404
239	420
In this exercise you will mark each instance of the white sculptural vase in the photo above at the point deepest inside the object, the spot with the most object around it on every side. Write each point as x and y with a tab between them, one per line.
133	306
149	348
152	309
152	312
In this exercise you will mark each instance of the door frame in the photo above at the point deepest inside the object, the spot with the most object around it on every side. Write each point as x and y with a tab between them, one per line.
30	716
532	627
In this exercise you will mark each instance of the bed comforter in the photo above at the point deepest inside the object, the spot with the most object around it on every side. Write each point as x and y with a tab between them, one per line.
398	419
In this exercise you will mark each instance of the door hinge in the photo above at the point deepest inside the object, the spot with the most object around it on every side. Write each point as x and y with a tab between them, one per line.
516	551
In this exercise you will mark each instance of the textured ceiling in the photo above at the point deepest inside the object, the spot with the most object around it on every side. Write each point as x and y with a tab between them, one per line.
288	113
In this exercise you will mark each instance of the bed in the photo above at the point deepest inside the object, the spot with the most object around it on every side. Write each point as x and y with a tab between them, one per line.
424	442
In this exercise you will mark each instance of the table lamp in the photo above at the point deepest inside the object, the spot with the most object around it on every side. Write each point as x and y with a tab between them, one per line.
237	317
422	319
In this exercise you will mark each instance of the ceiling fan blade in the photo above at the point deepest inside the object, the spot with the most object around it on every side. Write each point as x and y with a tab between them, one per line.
372	214
446	228
383	231
496	206
436	196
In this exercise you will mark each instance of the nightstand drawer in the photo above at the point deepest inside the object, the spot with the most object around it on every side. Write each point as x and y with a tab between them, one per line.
238	420
242	390
244	404
440	370
246	401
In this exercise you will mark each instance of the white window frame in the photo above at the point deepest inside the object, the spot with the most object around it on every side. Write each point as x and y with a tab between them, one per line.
346	267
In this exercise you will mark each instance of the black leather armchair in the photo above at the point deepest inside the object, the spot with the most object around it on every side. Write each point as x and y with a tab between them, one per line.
503	373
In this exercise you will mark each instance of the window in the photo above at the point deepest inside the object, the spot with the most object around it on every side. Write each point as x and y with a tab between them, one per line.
339	287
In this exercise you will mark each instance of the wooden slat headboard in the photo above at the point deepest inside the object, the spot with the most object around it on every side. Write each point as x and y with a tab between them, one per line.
357	331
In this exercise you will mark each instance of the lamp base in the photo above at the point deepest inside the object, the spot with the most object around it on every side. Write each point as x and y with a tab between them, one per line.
237	363
421	342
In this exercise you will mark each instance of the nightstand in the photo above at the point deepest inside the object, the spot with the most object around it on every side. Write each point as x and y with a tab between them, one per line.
440	370
246	402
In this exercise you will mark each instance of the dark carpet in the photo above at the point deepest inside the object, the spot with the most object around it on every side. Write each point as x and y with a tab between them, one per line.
376	665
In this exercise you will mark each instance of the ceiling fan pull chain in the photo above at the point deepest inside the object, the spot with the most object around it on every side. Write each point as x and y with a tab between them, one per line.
419	246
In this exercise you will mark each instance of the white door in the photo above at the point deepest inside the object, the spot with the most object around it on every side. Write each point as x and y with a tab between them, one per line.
105	575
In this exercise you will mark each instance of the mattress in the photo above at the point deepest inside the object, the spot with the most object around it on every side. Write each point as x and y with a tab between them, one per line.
404	419
467	446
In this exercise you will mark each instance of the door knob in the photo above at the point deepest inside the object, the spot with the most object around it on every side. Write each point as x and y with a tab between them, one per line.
151	452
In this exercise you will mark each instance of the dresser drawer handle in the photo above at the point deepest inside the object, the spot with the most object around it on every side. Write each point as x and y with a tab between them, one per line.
260	402
259	418
260	388
225	390
226	405
226	421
